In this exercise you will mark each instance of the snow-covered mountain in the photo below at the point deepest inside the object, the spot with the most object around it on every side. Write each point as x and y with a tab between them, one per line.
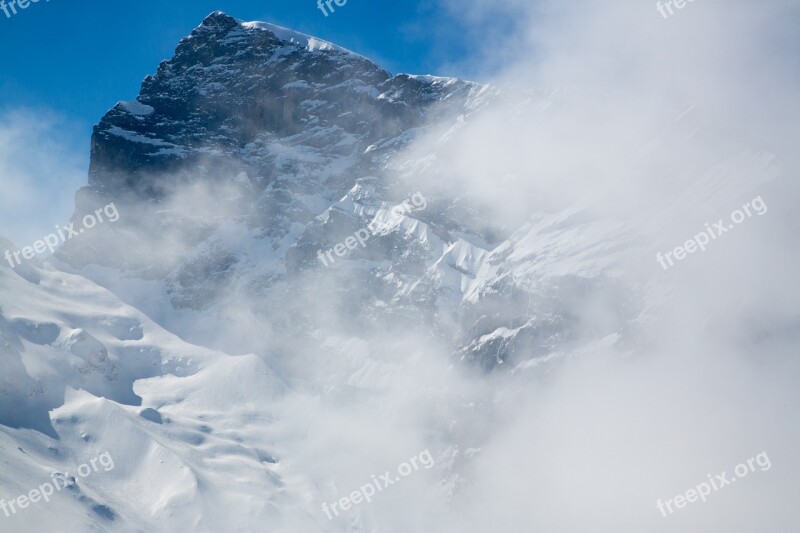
240	381
254	149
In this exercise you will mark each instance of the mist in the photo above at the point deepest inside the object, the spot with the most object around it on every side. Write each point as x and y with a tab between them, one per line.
42	163
657	126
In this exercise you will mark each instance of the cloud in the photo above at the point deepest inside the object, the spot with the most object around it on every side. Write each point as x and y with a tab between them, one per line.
42	163
659	125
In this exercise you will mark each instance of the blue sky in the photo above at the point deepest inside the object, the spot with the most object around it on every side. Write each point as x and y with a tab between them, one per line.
65	63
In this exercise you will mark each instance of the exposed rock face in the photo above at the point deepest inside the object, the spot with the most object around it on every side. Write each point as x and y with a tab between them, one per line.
235	89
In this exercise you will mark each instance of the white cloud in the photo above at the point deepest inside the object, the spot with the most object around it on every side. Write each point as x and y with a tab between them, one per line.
42	163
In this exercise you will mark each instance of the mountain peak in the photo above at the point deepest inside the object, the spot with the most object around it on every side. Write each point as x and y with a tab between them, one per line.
233	83
219	19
